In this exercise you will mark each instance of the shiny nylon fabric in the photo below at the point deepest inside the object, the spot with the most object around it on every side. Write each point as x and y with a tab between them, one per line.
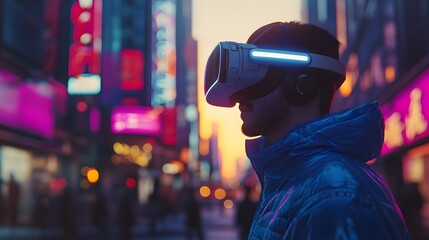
316	184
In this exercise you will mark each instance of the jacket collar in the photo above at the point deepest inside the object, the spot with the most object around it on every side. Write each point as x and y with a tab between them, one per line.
357	133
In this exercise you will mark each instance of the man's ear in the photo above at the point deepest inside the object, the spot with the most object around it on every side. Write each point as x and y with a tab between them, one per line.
300	86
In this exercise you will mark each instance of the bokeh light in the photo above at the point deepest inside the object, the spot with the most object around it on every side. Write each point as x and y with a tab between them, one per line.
130	182
228	204
205	191
220	193
92	175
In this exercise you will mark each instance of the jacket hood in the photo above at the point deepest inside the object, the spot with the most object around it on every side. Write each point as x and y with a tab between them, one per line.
357	133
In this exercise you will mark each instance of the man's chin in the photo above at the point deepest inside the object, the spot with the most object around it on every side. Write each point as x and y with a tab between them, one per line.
249	132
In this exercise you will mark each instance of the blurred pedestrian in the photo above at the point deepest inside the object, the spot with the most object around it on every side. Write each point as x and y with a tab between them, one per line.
155	208
312	165
194	225
2	204
99	211
41	210
246	209
411	203
67	214
126	215
13	200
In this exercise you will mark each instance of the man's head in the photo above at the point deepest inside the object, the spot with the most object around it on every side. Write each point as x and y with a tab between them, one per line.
288	96
300	84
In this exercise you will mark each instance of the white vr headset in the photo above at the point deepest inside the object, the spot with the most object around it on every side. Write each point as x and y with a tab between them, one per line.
233	66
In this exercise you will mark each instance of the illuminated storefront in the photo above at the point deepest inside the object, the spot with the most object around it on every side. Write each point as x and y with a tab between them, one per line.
33	149
36	175
406	144
29	149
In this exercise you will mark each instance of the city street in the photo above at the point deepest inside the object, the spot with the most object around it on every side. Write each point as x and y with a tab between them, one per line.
217	224
134	119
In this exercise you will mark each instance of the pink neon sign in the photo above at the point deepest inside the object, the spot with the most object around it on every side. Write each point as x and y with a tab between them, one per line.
135	120
85	50
406	116
28	107
132	66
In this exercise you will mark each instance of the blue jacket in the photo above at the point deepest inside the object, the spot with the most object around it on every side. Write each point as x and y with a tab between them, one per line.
316	183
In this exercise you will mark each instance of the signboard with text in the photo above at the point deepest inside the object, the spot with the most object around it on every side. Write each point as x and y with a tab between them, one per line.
407	115
164	53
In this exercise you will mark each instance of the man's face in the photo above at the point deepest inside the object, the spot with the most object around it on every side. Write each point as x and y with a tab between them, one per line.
263	115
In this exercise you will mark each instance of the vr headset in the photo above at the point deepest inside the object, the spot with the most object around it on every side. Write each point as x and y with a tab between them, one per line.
233	66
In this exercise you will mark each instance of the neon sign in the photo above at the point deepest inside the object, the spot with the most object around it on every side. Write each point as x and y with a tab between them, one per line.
28	106
136	120
132	65
85	50
406	118
84	84
164	53
393	131
415	122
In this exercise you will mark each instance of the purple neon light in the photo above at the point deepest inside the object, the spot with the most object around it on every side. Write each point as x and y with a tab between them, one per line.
9	106
135	120
36	113
401	105
28	107
94	120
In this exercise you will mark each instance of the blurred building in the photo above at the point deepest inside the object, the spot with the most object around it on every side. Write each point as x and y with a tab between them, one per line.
385	45
34	146
148	95
107	87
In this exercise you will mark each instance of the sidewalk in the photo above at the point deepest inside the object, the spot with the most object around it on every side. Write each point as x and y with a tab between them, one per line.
217	225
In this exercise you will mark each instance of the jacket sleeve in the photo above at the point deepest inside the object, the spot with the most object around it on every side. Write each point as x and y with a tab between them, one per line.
344	217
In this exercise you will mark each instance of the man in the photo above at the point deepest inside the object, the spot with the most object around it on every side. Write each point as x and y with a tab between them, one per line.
311	165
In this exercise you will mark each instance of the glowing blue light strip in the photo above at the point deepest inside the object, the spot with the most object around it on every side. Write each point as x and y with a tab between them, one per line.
258	54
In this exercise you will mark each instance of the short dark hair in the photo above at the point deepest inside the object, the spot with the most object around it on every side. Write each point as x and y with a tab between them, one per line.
306	38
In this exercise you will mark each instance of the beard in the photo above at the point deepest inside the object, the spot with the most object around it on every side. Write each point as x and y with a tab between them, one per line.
264	115
250	131
262	125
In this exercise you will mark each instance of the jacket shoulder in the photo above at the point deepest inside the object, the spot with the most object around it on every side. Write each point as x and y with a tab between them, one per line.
347	200
333	172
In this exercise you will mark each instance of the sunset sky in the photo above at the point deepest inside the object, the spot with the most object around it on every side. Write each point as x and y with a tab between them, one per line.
231	20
